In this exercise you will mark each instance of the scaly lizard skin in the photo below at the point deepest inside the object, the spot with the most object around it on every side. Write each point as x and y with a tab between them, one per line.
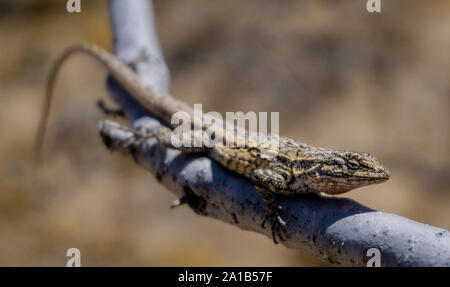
296	168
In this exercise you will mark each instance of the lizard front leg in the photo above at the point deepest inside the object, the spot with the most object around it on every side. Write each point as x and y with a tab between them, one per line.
269	185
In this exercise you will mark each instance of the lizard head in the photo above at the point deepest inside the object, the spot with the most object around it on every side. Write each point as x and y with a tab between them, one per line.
334	172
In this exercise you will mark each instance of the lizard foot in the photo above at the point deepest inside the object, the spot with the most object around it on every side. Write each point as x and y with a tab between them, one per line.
276	222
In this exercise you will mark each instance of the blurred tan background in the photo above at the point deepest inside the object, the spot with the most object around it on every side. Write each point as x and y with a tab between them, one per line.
339	76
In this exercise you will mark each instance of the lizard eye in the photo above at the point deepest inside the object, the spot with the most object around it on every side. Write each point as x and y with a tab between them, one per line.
353	164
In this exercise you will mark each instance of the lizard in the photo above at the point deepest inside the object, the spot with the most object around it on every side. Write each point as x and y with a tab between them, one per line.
296	168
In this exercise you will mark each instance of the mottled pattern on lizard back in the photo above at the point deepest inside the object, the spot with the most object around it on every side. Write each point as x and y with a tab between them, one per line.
246	155
296	167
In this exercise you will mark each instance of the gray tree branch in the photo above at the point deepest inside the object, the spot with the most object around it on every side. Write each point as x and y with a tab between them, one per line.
338	230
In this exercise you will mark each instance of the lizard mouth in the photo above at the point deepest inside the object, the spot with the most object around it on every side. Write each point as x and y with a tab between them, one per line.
355	180
376	176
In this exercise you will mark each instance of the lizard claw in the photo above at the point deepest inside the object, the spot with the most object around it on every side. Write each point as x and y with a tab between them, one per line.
281	221
263	224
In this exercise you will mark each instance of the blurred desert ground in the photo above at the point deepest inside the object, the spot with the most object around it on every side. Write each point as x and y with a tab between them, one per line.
339	76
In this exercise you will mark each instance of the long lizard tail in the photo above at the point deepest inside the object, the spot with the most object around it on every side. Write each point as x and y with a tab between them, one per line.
162	106
49	95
